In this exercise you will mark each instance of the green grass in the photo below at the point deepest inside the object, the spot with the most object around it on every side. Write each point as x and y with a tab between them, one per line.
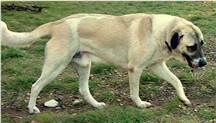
102	68
127	114
116	114
13	53
22	66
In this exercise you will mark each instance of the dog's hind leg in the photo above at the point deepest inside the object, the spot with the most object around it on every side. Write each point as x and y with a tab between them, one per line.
163	72
57	56
84	72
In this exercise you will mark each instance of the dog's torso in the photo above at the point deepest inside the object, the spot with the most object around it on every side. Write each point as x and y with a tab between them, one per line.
119	40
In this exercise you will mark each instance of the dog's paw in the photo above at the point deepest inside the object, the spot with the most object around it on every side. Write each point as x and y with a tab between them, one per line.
187	102
34	110
144	104
100	105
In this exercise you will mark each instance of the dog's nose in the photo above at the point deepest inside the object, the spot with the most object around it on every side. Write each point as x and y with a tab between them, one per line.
202	62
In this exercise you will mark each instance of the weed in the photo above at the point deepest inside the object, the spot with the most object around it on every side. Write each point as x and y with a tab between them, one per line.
12	53
206	114
149	77
107	96
172	104
102	68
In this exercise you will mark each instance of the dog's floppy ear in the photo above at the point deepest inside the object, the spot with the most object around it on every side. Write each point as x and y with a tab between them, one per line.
175	40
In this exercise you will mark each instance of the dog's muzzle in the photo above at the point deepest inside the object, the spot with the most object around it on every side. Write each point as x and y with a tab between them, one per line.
195	63
199	62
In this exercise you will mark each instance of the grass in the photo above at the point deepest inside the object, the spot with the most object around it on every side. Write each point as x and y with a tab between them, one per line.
13	53
116	114
128	114
22	66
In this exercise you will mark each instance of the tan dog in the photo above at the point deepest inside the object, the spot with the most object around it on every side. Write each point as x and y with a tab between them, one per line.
134	41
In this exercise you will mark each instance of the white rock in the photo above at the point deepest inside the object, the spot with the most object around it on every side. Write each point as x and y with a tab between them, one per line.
52	103
77	101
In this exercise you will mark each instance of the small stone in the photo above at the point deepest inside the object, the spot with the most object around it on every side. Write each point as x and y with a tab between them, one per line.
58	108
74	114
52	103
77	101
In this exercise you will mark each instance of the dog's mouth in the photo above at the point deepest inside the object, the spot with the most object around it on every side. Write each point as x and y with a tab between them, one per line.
190	63
195	63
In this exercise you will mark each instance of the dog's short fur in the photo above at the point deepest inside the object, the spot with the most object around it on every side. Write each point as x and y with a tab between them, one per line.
134	41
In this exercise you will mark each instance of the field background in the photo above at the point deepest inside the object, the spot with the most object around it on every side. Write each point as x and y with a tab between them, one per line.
20	68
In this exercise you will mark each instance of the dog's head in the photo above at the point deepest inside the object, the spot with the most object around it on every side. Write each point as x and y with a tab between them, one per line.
186	43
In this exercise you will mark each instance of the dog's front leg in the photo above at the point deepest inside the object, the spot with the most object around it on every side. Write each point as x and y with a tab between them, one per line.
134	78
163	72
84	72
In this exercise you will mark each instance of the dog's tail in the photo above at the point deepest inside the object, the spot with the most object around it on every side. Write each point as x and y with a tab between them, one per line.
9	38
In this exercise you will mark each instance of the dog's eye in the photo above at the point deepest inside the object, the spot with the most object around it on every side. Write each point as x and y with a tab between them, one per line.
192	48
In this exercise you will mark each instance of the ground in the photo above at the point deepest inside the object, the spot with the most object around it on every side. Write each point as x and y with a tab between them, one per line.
22	66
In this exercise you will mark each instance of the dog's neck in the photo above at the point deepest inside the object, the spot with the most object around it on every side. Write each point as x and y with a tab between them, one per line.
166	50
169	48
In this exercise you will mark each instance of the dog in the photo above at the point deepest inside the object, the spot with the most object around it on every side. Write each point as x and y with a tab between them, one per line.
132	41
